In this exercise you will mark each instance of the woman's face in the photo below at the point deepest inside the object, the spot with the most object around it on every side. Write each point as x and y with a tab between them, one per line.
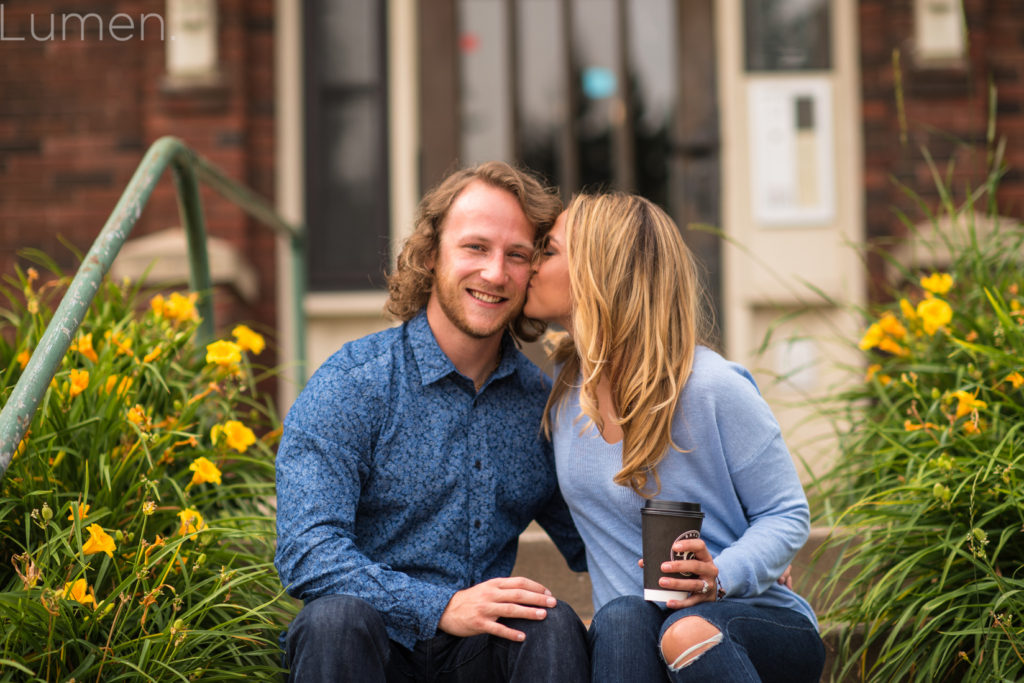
548	297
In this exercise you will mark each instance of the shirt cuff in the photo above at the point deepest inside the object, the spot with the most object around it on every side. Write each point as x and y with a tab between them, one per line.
431	603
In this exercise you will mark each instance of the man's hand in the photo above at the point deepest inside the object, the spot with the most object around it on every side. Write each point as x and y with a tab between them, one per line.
477	609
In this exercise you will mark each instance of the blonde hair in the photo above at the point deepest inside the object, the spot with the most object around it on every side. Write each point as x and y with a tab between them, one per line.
638	316
410	284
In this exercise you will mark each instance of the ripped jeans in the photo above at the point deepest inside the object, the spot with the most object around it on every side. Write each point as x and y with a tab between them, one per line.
758	643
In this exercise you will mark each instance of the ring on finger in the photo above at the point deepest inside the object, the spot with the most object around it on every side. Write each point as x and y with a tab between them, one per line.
704	589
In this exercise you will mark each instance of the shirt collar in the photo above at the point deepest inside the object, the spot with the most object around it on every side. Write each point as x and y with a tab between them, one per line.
434	364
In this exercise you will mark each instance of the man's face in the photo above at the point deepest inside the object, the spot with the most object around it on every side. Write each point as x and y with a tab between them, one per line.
482	266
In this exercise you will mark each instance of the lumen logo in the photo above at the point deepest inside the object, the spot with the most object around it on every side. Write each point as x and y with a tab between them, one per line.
90	26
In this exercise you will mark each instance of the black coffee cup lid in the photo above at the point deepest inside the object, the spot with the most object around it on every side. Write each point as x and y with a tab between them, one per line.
671	506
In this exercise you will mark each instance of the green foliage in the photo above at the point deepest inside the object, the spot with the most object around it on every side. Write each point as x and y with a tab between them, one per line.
929	480
167	573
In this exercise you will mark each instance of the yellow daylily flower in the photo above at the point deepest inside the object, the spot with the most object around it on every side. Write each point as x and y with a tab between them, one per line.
966	403
970	427
237	434
914	426
892	327
157	304
99	542
83	345
907	309
934	314
248	340
176	307
137	415
873	370
157	543
223	353
78	382
79	591
204	471
872	336
124	346
181	308
191	522
122	384
884	335
152	355
22	358
22	445
81	512
892	347
937	283
1014	378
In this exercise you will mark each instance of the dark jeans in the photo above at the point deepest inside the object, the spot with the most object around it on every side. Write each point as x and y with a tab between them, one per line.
758	644
341	638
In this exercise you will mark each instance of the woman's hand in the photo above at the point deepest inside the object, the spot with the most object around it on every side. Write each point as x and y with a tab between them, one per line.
787	577
703	587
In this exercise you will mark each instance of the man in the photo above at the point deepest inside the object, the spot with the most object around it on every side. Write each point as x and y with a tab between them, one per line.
413	459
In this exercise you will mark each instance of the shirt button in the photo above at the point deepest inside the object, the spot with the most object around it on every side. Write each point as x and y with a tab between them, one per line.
476	464
477	524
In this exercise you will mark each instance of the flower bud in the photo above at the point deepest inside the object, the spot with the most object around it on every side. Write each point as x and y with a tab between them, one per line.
46	513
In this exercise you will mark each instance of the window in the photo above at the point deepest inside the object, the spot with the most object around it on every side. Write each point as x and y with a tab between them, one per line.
346	144
788	35
581	91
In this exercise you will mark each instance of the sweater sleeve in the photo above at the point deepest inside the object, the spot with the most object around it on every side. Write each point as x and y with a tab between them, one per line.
779	522
766	483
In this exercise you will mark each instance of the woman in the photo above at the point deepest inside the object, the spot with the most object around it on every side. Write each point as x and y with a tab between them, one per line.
641	409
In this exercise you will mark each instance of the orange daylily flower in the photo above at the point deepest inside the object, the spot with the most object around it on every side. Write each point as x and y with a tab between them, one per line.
99	542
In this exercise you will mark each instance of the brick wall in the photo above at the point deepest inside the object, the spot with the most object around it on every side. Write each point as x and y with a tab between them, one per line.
946	111
76	117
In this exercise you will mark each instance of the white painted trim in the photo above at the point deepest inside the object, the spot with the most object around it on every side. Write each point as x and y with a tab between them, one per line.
732	106
403	119
290	170
341	305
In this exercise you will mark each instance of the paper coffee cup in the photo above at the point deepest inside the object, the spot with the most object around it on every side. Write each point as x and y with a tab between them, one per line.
663	522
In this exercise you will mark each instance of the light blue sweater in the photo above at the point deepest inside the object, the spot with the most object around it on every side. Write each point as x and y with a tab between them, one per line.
734	463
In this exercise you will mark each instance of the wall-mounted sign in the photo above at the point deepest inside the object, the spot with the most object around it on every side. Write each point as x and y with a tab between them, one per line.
192	41
792	151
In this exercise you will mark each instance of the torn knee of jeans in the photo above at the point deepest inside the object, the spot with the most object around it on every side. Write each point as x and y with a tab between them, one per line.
684	643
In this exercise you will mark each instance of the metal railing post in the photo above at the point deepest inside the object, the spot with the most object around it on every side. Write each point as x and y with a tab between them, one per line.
188	170
191	211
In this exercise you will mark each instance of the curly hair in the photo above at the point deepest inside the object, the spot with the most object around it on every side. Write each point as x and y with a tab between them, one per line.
410	284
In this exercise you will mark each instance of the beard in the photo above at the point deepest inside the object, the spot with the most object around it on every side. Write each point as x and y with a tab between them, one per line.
450	297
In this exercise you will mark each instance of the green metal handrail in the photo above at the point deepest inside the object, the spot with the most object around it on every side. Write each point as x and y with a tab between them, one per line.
189	168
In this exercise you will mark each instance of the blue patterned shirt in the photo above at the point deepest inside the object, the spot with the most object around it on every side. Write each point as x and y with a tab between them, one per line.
400	484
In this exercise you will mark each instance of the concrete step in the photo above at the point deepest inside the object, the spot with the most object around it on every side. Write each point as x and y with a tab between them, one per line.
540	560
